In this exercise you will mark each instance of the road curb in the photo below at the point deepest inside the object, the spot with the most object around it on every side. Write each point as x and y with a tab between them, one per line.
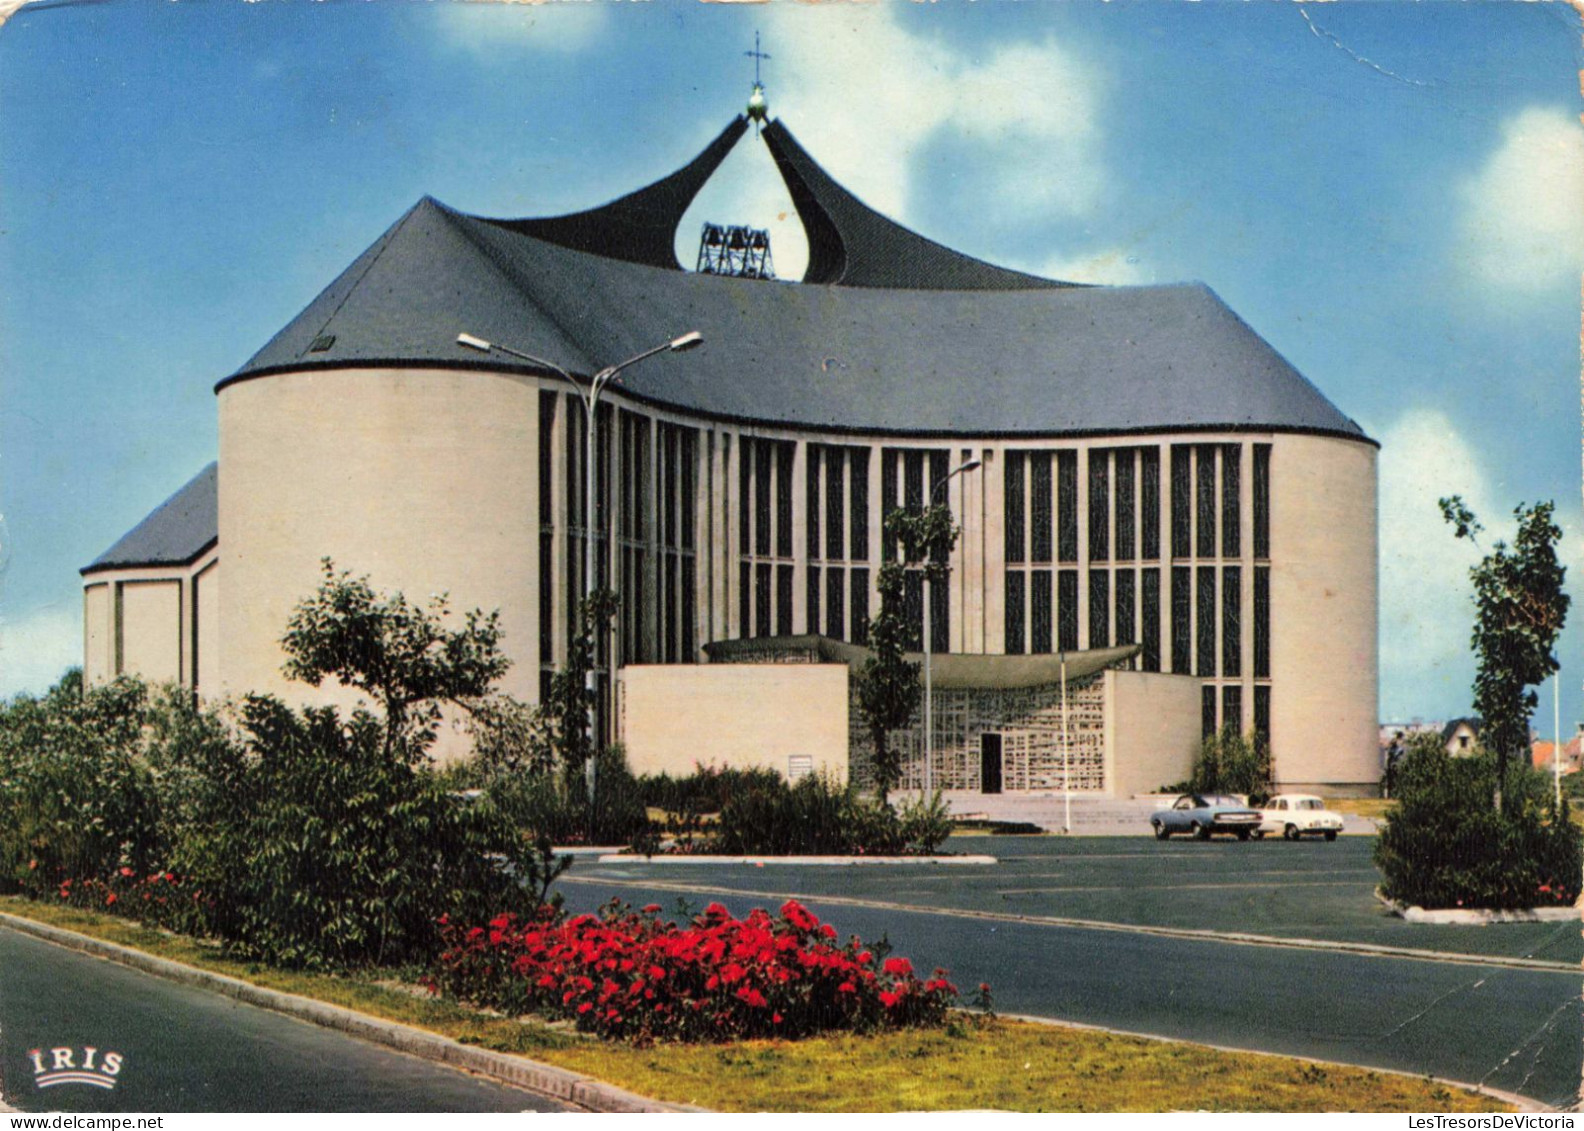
1479	916
545	1079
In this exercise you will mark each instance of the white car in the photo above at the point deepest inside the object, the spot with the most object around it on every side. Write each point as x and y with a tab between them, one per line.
1298	814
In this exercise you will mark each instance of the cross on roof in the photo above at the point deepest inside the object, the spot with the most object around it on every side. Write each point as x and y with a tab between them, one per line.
756	55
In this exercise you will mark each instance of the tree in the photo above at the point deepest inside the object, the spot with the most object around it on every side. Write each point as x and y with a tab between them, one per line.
1230	762
1520	610
404	657
571	701
888	684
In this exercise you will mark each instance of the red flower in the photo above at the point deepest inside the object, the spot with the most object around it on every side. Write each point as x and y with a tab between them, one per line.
111	898
126	871
899	967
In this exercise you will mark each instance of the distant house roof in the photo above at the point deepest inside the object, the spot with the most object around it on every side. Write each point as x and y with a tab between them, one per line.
178	530
948	669
1473	722
889	332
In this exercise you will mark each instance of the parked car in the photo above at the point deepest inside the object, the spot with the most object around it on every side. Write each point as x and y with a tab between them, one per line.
1202	814
1295	815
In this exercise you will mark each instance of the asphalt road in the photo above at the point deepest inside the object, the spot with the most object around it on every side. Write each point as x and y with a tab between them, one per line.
185	1049
1131	934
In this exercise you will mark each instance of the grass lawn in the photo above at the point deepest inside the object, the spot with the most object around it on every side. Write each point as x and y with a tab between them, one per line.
1001	1064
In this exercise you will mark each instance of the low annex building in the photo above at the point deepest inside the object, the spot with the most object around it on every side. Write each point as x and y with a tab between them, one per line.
1151	476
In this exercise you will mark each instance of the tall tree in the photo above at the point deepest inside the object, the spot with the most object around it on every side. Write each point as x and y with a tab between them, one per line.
888	684
403	656
1520	610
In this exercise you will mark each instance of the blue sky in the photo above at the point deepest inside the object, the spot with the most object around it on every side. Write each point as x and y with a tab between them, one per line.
1388	192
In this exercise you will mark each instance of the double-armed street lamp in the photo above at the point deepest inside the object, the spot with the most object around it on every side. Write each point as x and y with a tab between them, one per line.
929	593
589	395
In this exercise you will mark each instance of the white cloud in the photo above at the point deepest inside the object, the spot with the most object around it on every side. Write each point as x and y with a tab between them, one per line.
1426	610
37	647
1113	266
866	94
1522	225
483	27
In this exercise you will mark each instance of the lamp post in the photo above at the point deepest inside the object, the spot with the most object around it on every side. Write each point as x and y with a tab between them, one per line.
590	398
929	592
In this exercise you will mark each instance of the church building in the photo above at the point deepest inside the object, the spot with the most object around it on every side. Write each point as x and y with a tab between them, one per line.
1166	529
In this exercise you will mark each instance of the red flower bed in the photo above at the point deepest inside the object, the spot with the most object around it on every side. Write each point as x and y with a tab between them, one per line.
632	975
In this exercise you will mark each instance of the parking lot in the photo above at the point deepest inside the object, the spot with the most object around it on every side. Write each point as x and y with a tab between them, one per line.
1267	945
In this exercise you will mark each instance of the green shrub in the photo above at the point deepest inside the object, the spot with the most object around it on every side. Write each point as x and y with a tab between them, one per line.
1445	844
1229	762
333	847
77	792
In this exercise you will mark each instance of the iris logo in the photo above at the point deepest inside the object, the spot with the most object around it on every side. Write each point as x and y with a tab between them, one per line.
75	1066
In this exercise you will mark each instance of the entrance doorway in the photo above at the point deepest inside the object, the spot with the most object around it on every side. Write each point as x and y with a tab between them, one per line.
989	763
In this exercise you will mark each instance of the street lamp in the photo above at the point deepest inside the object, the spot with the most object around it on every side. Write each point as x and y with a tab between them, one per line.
590	398
929	590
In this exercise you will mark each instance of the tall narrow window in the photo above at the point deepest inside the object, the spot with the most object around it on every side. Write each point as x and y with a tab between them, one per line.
1207	710
1067	506
1099	609
835	603
1149	503
1181	501
1232	707
1014	506
1149	619
689	610
1014	612
858	504
763	454
1040	611
913	609
890	499
745	589
1232	621
784	600
812	586
913	480
1126	628
1181	618
784	503
1099	504
746	500
1262	707
1205	498
1231	500
1262	622
1067	610
762	604
940	615
1126	540
1206	621
811	499
668	604
1039	506
859	592
1262	456
835	518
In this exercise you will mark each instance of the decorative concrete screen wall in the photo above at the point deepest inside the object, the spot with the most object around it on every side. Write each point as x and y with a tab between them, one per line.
791	718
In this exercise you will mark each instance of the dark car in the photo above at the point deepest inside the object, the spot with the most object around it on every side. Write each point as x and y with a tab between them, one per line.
1203	814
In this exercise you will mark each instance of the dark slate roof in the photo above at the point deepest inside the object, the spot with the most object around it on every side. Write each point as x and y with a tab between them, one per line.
179	529
947	669
902	336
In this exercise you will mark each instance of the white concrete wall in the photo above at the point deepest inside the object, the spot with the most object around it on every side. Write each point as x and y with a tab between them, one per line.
98	632
424	480
676	717
151	624
1152	730
1324	607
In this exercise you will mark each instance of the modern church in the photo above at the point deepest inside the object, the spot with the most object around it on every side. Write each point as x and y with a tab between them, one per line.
1165	528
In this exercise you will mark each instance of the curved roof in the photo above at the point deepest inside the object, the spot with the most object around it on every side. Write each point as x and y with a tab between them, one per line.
175	533
890	332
